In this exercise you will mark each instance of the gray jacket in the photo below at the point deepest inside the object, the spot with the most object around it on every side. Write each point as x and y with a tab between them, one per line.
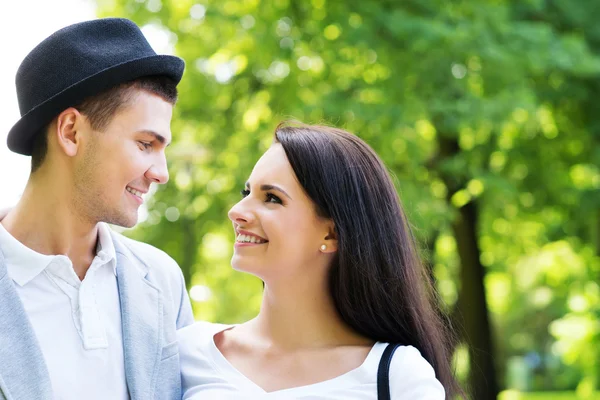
154	304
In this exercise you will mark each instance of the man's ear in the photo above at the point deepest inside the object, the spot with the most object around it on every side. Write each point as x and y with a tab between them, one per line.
67	130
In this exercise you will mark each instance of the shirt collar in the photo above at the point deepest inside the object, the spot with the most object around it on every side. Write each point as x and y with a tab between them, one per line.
106	248
24	264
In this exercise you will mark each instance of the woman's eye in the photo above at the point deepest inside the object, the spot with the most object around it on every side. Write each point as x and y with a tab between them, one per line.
245	192
271	198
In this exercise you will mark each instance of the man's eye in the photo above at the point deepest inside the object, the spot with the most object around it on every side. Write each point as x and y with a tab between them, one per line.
245	192
271	198
145	145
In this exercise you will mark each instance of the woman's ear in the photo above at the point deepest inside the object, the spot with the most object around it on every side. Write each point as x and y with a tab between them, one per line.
330	242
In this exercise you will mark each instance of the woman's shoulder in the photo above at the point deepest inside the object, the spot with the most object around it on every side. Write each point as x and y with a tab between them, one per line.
412	376
199	332
198	357
196	346
198	337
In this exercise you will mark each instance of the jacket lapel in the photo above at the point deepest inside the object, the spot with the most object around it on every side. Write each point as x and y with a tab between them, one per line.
141	317
23	371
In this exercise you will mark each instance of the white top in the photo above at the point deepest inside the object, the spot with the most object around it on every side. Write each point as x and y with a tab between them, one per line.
77	323
206	374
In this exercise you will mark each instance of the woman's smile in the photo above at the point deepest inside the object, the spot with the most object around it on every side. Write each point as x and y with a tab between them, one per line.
247	239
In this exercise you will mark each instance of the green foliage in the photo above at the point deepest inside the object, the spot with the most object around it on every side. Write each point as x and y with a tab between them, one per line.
511	395
512	84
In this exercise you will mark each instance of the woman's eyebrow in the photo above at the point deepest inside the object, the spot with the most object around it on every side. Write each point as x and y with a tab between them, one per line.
271	187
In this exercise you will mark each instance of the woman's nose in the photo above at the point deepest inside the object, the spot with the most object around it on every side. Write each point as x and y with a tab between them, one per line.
240	213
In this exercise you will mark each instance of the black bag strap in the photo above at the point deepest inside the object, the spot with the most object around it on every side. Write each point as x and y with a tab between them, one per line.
383	372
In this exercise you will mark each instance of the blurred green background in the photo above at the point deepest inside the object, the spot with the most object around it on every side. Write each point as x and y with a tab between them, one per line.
487	114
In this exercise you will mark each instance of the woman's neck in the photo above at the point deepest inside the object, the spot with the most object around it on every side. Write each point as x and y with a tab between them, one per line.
302	315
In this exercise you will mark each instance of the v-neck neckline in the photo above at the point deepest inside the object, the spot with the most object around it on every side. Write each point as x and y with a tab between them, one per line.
245	384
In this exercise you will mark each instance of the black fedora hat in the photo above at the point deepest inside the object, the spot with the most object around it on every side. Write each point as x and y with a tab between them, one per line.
79	61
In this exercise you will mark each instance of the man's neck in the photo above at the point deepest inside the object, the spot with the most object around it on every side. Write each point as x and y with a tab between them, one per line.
44	222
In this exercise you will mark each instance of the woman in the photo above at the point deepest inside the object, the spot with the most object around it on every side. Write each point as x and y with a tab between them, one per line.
320	223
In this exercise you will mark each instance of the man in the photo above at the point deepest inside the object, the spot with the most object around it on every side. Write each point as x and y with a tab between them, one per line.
86	313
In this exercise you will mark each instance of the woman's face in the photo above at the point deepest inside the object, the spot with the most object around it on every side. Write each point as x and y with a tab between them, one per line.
278	233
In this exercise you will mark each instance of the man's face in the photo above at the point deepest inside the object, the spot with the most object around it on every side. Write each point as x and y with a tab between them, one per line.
116	166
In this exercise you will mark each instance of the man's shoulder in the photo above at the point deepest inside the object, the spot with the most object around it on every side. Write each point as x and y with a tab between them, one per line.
158	268
152	257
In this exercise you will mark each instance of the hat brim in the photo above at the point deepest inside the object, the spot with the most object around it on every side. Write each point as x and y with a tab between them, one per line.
21	137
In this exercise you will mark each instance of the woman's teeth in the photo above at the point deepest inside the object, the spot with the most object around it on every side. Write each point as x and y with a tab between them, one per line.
249	239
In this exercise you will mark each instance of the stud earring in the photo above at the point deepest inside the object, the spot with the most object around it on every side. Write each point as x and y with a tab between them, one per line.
323	247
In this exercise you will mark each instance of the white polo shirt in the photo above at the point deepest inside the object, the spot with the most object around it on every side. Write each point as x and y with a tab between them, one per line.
77	323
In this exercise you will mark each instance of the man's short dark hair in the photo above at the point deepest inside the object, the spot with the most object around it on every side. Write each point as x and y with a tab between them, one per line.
101	108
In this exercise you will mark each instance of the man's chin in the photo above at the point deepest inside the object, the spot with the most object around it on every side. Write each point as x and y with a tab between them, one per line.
130	224
124	221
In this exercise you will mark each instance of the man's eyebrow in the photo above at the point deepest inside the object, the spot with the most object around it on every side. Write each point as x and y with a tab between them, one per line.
271	187
160	138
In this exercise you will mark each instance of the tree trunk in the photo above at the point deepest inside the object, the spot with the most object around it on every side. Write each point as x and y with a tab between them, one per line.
471	315
472	307
189	248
